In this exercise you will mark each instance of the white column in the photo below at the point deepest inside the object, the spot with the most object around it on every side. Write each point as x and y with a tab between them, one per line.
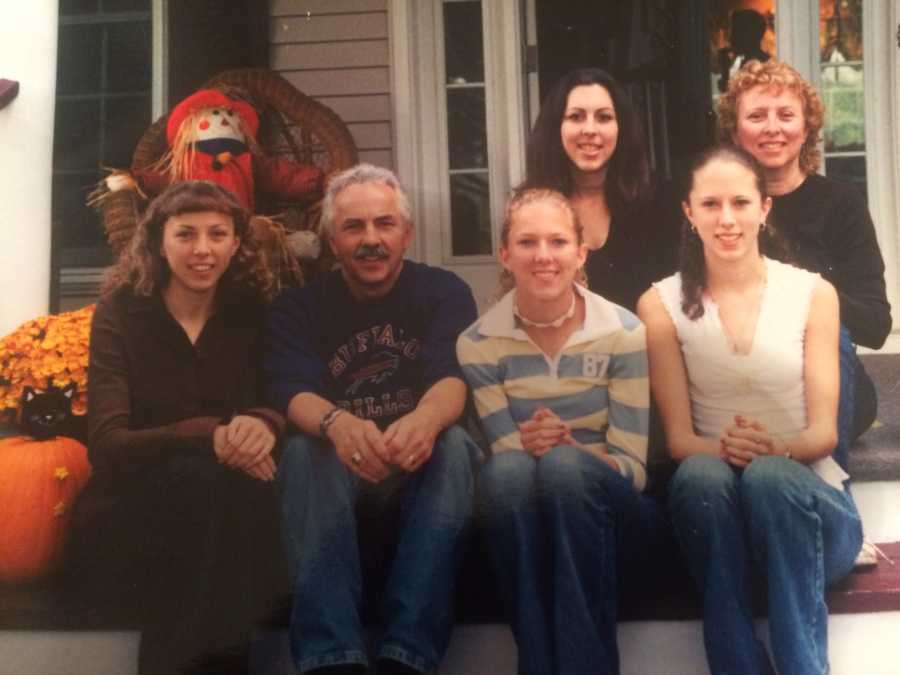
27	55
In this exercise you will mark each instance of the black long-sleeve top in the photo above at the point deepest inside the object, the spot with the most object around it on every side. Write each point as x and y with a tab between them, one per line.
642	247
829	230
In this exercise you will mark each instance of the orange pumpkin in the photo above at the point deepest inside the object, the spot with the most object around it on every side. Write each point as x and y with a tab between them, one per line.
39	481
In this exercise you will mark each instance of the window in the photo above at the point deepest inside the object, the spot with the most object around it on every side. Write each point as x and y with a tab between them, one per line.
841	85
466	115
103	105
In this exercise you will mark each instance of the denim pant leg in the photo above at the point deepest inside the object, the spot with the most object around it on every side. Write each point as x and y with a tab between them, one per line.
849	362
507	511
318	496
805	534
591	514
706	510
437	513
865	404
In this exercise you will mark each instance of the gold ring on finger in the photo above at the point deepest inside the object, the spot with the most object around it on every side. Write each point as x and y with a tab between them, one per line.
356	458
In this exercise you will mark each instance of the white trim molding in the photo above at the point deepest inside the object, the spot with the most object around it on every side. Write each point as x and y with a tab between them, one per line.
160	58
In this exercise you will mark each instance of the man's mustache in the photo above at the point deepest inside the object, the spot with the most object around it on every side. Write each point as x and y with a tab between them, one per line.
371	251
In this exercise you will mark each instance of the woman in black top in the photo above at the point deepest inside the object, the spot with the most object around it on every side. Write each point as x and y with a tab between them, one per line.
777	116
588	144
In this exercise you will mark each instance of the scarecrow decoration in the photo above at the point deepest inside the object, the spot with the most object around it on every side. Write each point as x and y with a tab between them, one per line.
254	133
212	136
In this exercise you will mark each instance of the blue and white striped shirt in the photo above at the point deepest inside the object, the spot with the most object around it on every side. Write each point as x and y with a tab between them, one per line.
597	384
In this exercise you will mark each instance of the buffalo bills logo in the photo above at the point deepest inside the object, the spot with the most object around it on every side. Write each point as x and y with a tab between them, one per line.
381	366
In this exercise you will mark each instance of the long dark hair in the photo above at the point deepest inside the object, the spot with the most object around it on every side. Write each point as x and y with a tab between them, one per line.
142	266
548	165
692	263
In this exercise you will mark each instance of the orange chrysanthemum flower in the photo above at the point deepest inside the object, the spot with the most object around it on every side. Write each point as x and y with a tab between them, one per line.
47	351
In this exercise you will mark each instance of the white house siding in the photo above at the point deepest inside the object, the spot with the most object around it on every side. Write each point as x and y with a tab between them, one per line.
337	52
28	56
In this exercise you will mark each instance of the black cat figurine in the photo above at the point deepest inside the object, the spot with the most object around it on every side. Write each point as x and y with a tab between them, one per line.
48	413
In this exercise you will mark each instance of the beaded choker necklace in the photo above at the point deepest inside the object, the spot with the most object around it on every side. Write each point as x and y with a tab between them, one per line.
556	323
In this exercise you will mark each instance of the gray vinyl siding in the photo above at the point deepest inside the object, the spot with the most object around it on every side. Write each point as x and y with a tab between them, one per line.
337	52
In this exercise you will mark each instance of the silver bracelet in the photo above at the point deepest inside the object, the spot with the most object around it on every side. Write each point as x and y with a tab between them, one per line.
328	419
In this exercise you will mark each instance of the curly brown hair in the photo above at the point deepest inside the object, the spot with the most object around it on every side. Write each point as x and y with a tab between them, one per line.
142	266
777	75
692	263
523	196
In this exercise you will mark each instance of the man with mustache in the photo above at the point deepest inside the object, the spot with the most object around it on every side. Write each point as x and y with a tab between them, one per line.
363	362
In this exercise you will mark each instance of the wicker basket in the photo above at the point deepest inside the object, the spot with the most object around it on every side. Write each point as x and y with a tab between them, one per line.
291	124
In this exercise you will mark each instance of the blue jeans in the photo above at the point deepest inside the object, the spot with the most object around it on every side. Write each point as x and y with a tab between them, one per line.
776	516
558	528
318	499
858	399
849	362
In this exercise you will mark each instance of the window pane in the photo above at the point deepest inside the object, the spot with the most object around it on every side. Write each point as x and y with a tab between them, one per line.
843	89
125	5
75	145
77	7
842	93
840	30
76	224
466	128
470	213
129	67
467	150
79	75
127	120
849	170
463	45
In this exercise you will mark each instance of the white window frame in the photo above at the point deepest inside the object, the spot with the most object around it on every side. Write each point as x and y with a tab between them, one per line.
420	124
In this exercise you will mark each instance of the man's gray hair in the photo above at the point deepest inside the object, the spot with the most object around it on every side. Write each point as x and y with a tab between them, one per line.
360	175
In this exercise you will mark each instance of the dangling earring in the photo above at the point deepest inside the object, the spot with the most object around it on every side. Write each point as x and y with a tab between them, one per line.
693	228
762	226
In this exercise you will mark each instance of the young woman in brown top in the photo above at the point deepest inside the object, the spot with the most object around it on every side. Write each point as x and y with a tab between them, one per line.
180	514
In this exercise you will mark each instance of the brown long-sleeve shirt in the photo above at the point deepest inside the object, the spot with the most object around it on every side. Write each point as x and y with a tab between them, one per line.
151	392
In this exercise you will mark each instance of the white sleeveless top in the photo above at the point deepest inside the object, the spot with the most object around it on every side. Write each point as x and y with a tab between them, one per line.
766	384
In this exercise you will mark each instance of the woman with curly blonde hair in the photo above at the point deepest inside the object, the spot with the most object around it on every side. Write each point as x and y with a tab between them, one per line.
773	113
179	516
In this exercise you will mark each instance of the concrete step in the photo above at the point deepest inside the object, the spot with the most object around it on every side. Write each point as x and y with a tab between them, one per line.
858	643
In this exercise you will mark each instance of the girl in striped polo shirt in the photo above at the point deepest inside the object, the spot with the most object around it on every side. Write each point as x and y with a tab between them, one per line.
559	378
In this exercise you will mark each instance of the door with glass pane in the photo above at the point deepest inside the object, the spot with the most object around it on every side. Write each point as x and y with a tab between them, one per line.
469	129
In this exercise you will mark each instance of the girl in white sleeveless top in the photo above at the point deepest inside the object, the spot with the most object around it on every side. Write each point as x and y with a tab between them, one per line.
744	366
